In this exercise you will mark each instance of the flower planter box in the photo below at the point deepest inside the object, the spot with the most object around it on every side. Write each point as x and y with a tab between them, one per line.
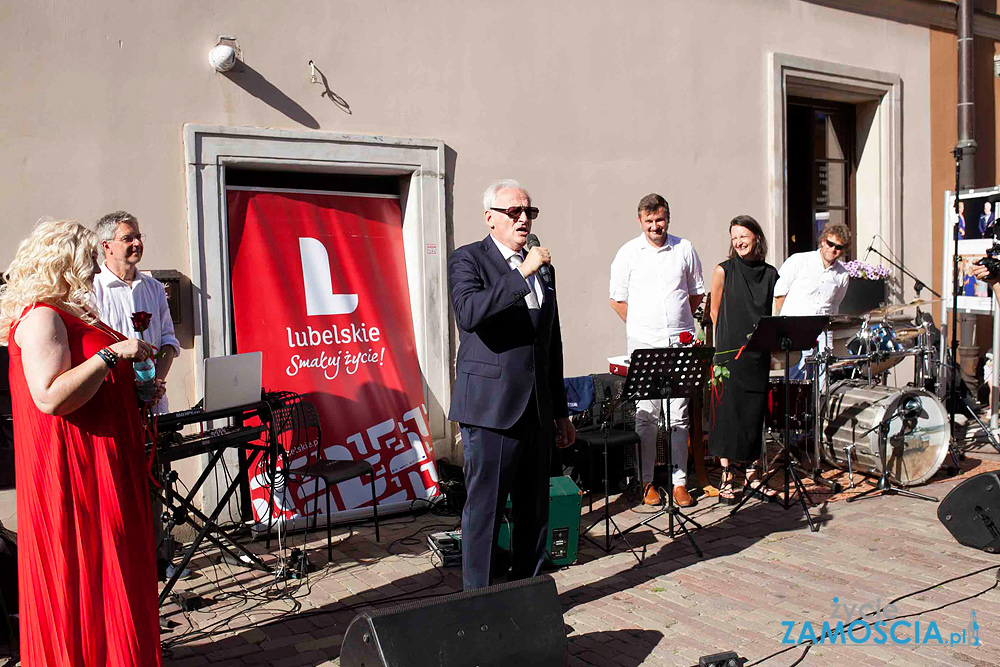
862	296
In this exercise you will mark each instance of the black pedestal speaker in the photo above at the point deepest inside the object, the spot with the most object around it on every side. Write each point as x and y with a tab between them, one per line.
971	512
507	624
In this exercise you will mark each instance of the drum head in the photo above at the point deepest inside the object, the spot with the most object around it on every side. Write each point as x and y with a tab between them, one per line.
917	446
917	439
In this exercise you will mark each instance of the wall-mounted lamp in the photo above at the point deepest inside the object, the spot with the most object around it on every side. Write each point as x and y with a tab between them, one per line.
224	55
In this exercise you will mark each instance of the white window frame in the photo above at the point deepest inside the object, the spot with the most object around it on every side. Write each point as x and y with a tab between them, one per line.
879	210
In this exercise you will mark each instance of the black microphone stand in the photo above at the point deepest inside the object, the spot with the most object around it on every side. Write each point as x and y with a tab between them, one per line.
918	284
954	400
956	375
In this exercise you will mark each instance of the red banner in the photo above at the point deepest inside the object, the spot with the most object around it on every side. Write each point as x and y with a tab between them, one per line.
319	286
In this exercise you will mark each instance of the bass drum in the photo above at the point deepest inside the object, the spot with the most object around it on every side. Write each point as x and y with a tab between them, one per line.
851	419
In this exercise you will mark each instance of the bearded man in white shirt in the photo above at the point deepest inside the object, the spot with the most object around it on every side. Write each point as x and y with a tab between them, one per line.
814	283
656	285
120	290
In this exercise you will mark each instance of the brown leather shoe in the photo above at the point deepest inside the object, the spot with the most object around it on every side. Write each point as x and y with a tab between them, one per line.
652	496
682	498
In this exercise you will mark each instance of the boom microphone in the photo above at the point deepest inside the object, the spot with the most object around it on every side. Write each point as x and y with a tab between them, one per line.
871	246
544	271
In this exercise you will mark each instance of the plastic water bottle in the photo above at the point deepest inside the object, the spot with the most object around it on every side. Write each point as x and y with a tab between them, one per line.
145	376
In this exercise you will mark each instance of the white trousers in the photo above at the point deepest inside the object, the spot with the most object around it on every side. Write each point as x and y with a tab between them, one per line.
647	415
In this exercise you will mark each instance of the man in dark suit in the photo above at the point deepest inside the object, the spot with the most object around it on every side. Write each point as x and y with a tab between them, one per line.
985	219
509	397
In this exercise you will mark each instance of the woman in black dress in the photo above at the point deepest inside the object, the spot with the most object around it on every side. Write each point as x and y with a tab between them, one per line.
742	293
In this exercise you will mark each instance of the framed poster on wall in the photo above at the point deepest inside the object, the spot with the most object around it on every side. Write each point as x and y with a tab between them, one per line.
976	218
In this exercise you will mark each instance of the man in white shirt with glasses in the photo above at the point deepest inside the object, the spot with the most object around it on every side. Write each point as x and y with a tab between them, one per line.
120	290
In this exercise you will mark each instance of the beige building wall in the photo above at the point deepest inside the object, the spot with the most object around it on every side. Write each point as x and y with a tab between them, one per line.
591	105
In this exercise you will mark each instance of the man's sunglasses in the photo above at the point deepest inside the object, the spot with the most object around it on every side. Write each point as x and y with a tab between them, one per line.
835	246
514	212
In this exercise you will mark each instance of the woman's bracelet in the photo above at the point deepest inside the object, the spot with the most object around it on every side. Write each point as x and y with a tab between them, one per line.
109	357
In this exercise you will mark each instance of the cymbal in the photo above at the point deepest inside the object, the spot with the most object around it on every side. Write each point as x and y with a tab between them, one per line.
900	307
909	334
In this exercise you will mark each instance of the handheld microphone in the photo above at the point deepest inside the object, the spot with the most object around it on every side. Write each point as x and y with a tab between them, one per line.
544	271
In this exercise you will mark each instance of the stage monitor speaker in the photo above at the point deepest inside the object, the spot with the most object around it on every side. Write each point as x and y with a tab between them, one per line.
971	512
516	623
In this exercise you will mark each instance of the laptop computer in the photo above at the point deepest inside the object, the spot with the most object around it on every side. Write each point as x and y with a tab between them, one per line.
232	381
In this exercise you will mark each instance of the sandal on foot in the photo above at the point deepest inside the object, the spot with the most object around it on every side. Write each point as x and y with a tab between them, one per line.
727	492
755	488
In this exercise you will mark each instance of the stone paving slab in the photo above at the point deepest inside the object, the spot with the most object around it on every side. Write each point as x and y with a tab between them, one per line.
761	567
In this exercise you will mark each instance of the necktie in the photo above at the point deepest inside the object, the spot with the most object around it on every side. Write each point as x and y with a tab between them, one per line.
531	299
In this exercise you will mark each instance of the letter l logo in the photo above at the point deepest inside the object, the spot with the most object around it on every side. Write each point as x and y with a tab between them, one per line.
320	299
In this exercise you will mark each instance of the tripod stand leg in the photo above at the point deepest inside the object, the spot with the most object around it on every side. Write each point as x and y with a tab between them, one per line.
687	533
802	498
989	434
747	496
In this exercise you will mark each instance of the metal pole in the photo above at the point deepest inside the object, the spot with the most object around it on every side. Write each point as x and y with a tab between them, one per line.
967	174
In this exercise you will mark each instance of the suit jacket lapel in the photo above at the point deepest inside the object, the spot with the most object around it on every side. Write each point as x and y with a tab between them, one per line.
494	255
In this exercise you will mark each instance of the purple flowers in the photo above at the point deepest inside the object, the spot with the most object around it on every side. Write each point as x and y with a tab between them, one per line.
858	269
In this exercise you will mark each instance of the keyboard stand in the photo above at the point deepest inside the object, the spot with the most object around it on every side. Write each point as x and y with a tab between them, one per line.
182	509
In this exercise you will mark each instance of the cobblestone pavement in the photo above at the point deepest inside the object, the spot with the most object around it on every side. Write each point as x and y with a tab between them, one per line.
761	567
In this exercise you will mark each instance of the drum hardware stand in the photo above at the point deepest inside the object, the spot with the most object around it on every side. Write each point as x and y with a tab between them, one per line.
885	487
786	334
848	452
820	358
972	413
662	374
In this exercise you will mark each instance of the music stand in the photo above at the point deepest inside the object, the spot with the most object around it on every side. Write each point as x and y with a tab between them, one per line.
786	334
662	374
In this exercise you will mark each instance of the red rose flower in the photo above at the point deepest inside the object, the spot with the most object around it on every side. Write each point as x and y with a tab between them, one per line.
140	320
686	337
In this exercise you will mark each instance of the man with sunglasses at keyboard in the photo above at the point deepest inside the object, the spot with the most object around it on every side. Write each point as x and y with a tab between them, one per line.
509	397
814	283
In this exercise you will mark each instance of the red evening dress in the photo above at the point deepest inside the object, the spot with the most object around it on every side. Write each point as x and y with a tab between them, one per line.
86	564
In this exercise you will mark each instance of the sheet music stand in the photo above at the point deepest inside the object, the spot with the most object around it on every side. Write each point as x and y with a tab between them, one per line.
665	373
786	334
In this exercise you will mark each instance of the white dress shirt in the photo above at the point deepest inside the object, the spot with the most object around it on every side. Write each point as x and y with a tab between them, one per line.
809	287
535	285
657	284
116	301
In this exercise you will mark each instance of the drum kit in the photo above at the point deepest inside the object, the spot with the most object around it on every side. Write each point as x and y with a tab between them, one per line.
898	433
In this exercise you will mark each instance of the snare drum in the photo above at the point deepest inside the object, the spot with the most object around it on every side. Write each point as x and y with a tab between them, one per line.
915	449
800	397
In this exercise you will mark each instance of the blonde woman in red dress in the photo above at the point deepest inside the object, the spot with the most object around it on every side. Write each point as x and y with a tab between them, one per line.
87	574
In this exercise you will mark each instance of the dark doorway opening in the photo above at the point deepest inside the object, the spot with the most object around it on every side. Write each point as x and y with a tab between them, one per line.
820	169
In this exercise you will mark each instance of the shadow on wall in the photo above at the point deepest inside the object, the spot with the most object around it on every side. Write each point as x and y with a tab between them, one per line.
253	82
329	94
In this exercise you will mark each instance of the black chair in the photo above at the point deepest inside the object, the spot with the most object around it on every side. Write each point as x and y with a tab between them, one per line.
599	430
296	422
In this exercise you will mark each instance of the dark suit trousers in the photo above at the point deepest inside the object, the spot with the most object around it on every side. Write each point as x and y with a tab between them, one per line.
498	462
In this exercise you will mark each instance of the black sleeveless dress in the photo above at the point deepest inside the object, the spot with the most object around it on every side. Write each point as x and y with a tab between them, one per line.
747	296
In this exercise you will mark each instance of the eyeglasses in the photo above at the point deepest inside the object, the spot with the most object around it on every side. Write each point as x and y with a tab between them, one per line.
127	239
514	212
835	246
